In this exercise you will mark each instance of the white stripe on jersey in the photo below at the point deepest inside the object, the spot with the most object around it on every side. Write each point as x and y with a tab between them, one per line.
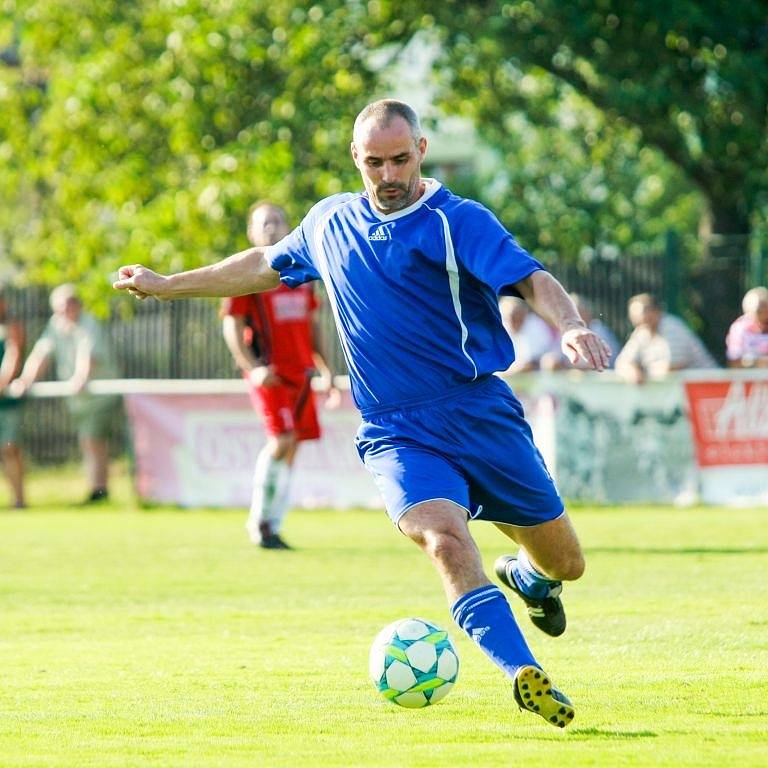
453	282
322	265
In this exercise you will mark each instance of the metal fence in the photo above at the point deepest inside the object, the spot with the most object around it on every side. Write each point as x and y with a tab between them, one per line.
182	339
609	283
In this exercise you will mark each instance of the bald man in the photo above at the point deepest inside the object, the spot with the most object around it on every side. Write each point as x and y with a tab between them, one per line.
413	275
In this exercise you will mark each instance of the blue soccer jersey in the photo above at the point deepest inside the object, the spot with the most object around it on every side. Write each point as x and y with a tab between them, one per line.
414	292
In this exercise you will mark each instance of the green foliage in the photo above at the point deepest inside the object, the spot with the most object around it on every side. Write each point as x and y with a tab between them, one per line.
576	184
691	78
162	121
141	131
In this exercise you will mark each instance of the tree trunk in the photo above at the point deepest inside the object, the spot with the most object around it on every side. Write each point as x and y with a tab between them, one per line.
725	218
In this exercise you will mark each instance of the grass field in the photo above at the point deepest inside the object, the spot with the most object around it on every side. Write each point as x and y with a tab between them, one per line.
162	638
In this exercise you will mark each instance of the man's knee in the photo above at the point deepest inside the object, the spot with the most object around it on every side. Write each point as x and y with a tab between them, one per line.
445	545
283	445
442	536
569	567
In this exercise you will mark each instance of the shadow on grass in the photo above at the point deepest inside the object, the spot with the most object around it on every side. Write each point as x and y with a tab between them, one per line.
736	714
677	550
613	735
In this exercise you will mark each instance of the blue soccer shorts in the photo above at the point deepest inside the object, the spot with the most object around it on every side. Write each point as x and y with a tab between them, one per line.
472	447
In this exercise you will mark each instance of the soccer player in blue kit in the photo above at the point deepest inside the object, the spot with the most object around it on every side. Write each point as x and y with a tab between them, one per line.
413	274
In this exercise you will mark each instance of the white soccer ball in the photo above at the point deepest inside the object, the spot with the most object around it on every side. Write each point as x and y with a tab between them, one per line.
413	663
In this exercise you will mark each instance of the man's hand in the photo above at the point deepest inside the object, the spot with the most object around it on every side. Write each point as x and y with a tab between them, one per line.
332	399
76	384
579	344
18	388
263	376
140	282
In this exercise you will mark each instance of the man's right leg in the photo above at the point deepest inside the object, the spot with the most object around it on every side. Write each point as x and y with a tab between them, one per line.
96	463
14	471
439	528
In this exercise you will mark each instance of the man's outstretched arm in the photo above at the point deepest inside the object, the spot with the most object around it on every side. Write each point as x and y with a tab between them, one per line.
237	275
550	300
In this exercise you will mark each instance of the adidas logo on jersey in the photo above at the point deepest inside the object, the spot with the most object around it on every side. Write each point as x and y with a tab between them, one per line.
382	232
477	634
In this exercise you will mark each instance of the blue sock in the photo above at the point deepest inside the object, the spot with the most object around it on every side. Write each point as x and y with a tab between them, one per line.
530	581
484	614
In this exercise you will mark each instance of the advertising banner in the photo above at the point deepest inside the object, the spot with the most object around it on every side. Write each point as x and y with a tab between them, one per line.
199	450
702	436
729	421
610	442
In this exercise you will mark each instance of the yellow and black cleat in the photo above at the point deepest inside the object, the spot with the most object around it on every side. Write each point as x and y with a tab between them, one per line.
534	691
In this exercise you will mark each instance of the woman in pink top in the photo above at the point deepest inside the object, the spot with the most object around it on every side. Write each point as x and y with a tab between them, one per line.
747	341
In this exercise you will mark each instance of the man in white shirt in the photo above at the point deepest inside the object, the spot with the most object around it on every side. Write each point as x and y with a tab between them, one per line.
659	344
532	336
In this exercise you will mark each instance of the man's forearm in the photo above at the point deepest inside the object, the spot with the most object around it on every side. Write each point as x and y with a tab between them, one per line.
239	274
242	273
33	368
549	299
232	329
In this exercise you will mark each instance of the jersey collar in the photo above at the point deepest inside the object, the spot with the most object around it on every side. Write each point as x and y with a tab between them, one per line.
432	186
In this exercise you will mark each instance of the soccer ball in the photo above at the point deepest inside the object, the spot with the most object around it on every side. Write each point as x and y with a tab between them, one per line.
413	663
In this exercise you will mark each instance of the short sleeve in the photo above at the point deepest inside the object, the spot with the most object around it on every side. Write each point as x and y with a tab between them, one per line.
292	258
45	344
94	335
488	251
734	341
314	301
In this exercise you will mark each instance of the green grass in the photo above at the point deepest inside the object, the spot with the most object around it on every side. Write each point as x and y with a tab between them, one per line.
162	638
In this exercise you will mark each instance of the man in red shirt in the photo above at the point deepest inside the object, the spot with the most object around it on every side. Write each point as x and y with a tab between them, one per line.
270	336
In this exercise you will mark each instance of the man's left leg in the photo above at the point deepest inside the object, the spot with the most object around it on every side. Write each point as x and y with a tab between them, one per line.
549	554
271	479
96	462
282	501
306	426
274	464
439	528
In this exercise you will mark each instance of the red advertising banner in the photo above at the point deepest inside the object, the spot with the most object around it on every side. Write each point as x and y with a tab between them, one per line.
729	421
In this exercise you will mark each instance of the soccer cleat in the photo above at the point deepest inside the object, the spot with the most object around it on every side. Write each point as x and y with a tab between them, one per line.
262	535
547	613
534	691
273	541
96	495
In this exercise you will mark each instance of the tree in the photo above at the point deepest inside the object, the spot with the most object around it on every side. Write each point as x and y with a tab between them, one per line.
570	183
690	76
161	121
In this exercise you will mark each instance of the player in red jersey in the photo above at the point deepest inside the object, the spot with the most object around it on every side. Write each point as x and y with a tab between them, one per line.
270	336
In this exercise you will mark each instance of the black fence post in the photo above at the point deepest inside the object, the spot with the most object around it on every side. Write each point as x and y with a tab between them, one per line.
759	264
672	272
174	348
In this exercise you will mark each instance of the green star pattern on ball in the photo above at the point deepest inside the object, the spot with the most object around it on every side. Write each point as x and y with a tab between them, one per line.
413	663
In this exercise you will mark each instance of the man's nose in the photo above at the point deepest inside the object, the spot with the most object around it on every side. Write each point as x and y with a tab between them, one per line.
389	172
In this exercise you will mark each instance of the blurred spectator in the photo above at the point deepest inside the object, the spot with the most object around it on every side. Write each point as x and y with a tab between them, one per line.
11	351
747	342
557	360
532	336
80	348
659	344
